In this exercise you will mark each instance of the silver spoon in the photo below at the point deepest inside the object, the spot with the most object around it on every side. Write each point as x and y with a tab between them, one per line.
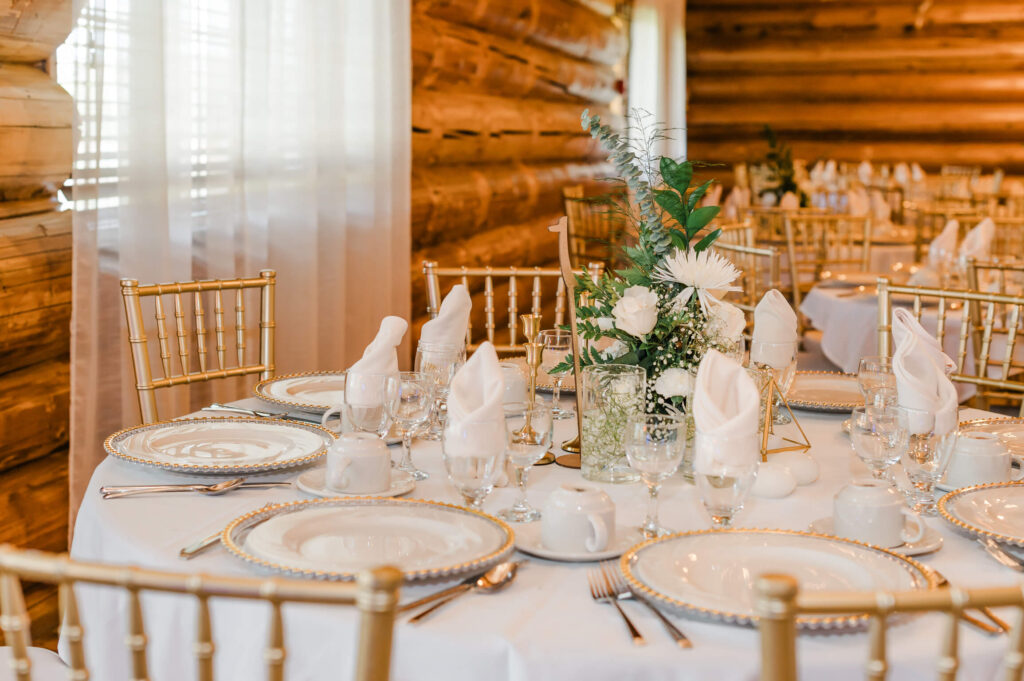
211	490
497	577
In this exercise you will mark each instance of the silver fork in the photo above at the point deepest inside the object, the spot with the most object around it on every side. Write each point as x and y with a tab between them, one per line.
600	592
999	553
617	585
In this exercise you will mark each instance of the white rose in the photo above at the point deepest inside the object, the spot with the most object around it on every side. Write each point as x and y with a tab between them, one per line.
674	383
728	319
636	313
614	350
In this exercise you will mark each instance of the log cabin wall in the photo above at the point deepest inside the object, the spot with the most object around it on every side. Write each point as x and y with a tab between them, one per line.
498	88
936	82
35	290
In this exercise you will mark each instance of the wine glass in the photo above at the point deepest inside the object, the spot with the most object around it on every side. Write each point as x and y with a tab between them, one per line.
367	401
925	459
474	456
778	360
411	405
725	467
879	436
876	381
529	436
440	361
557	347
654	447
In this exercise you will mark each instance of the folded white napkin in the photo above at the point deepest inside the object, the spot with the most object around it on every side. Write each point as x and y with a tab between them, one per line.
768	200
379	357
905	325
858	203
923	384
774	322
789	201
901	173
864	172
831	174
881	212
943	246
978	242
476	417
916	173
726	403
712	196
818	172
452	320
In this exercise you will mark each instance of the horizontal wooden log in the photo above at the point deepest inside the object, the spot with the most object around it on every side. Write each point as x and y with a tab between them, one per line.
34	404
35	336
30	30
452	203
12	209
447	56
560	25
453	128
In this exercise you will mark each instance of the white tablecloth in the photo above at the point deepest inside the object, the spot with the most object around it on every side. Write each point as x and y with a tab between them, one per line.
543	627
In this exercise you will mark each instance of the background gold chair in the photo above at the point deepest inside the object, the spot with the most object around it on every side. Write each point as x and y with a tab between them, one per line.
194	307
759	267
779	602
375	594
983	317
1008	240
596	230
929	218
534	284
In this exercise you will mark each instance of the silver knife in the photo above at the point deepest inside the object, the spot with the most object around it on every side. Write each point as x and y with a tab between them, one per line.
192	550
113	489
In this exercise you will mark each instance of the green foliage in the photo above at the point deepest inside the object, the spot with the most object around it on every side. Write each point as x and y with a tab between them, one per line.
779	161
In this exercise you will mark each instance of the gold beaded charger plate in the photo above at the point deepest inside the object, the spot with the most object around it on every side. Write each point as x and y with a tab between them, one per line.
221	445
310	391
994	510
711	574
827	391
334	539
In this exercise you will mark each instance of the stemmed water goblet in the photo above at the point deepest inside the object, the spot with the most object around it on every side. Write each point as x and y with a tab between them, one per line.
474	456
440	361
557	346
925	459
879	436
725	467
654	447
411	405
367	402
529	436
876	381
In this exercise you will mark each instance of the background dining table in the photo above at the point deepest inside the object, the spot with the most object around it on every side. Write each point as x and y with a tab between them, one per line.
543	626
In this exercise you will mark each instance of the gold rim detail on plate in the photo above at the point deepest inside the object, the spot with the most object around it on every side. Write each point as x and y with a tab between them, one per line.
261	390
831	407
832	622
224	469
253	518
971	529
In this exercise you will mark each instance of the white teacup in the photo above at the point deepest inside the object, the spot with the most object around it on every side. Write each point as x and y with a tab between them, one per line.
358	463
515	383
980	458
871	511
578	519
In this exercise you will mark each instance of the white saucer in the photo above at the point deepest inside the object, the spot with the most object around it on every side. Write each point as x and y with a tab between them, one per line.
931	541
528	541
313	482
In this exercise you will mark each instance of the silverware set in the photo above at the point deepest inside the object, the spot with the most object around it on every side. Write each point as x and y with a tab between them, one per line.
608	586
494	579
227	408
118	491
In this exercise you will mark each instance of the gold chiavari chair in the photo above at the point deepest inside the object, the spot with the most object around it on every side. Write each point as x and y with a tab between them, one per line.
533	277
759	267
375	594
1008	240
931	217
145	383
976	312
596	231
778	602
895	197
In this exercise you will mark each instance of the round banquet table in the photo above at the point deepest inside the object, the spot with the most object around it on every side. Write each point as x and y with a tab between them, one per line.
543	626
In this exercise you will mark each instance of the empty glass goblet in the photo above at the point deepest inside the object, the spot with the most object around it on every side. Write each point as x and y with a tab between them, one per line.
876	381
557	346
778	360
725	467
367	402
440	361
925	459
411	406
654	447
879	436
474	455
529	436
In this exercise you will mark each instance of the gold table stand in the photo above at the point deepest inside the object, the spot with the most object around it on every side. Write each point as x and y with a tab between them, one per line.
768	394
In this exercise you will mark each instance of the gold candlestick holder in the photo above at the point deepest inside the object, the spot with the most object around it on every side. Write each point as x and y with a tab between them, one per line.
531	326
534	358
573	445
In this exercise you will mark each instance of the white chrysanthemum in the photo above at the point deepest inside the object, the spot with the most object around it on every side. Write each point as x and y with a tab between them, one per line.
703	271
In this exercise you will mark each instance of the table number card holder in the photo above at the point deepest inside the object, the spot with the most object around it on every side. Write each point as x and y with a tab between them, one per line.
571	460
768	394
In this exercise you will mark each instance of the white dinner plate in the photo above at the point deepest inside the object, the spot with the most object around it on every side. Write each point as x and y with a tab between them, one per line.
995	510
312	391
712	574
1010	431
221	445
314	482
528	540
931	541
336	538
829	391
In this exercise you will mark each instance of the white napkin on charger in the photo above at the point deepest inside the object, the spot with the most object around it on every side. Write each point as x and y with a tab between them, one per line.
922	384
726	402
864	172
452	320
881	211
768	200
831	174
917	173
977	243
858	203
476	415
818	172
944	245
789	201
905	325
379	357
901	173
713	195
774	322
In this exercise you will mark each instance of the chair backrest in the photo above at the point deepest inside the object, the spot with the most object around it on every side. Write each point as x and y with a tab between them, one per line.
985	319
759	266
931	217
1008	240
779	602
596	231
514	281
375	594
182	308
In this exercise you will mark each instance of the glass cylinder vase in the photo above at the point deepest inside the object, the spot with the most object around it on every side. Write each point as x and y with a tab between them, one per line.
611	394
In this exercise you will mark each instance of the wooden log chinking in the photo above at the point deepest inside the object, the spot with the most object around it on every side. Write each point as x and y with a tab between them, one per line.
447	56
30	30
561	25
34	404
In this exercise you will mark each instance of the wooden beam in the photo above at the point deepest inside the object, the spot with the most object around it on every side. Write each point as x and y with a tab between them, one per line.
30	30
34	404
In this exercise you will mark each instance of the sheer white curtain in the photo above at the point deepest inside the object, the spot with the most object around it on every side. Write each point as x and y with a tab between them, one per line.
219	137
657	68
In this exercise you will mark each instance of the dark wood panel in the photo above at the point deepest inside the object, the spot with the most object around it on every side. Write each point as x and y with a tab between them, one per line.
34	404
